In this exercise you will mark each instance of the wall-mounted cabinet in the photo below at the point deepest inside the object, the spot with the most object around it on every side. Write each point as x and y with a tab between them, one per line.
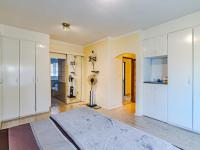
156	46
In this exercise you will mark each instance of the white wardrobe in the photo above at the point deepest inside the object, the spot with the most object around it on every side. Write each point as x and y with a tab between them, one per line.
177	103
184	78
196	80
10	48
26	79
1	84
180	57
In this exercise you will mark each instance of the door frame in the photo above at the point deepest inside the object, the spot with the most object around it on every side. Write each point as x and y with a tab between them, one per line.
133	67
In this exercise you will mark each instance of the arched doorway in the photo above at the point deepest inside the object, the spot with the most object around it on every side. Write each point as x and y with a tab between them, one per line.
128	79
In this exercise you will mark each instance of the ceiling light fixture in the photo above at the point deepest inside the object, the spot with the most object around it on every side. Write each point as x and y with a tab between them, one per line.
66	26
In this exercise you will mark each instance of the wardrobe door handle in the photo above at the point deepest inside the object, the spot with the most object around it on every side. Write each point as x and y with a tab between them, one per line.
189	81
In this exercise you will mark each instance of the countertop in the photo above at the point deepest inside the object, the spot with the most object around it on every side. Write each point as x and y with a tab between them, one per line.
155	82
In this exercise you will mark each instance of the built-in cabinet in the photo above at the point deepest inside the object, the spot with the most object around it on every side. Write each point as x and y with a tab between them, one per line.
1	80
196	80
26	78
180	71
155	101
11	78
177	103
156	46
43	96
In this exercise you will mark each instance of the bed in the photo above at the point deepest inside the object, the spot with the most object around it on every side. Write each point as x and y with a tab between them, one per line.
79	129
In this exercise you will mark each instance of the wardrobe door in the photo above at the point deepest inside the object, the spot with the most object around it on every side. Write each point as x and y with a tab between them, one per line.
180	61
27	78
10	78
196	96
43	91
1	82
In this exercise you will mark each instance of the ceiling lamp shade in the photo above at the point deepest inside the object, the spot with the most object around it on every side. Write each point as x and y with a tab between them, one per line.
66	26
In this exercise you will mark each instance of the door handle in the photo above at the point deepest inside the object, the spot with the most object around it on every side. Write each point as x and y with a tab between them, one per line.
189	81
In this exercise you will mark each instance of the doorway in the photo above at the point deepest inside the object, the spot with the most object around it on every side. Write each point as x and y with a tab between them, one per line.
66	79
58	80
129	83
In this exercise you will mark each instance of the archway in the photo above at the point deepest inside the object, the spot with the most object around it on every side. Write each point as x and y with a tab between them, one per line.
128	79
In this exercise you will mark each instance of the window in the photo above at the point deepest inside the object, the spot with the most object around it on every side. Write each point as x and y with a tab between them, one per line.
54	69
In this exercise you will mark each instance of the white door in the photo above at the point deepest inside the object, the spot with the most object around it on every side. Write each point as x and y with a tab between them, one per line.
27	78
149	100
160	106
180	53
1	116
1	82
43	92
196	96
10	78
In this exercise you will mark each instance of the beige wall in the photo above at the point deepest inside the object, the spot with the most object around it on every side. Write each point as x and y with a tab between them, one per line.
65	48
101	49
109	86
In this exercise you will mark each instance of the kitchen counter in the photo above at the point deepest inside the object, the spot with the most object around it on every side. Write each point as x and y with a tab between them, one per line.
155	82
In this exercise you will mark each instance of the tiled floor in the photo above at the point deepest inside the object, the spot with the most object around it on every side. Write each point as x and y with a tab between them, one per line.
179	137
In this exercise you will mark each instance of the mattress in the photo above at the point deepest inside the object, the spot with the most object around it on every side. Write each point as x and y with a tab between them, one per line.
93	131
79	129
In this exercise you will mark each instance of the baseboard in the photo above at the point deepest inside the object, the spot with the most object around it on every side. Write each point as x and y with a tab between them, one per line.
138	114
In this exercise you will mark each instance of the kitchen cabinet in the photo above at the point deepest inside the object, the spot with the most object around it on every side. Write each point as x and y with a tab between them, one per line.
155	101
180	72
27	78
11	102
196	96
156	46
43	91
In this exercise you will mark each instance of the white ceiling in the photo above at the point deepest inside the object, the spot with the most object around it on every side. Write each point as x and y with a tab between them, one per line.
92	20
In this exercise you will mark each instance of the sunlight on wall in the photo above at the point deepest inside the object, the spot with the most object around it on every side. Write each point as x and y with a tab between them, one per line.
109	86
